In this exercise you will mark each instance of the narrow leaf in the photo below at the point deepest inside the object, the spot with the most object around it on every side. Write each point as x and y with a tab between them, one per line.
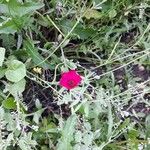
2	55
15	8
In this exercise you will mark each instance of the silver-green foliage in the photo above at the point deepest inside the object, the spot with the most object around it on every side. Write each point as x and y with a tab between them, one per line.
11	133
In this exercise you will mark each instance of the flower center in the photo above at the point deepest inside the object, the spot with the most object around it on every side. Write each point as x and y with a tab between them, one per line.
71	83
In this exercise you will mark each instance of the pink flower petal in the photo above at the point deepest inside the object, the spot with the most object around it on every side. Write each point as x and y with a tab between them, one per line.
70	79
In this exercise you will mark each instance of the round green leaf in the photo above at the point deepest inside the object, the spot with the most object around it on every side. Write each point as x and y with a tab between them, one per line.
16	71
17	88
9	103
112	13
92	13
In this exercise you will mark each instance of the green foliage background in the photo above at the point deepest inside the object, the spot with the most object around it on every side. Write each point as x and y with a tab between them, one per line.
95	37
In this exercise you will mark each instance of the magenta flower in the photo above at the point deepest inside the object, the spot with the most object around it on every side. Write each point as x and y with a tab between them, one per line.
70	79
